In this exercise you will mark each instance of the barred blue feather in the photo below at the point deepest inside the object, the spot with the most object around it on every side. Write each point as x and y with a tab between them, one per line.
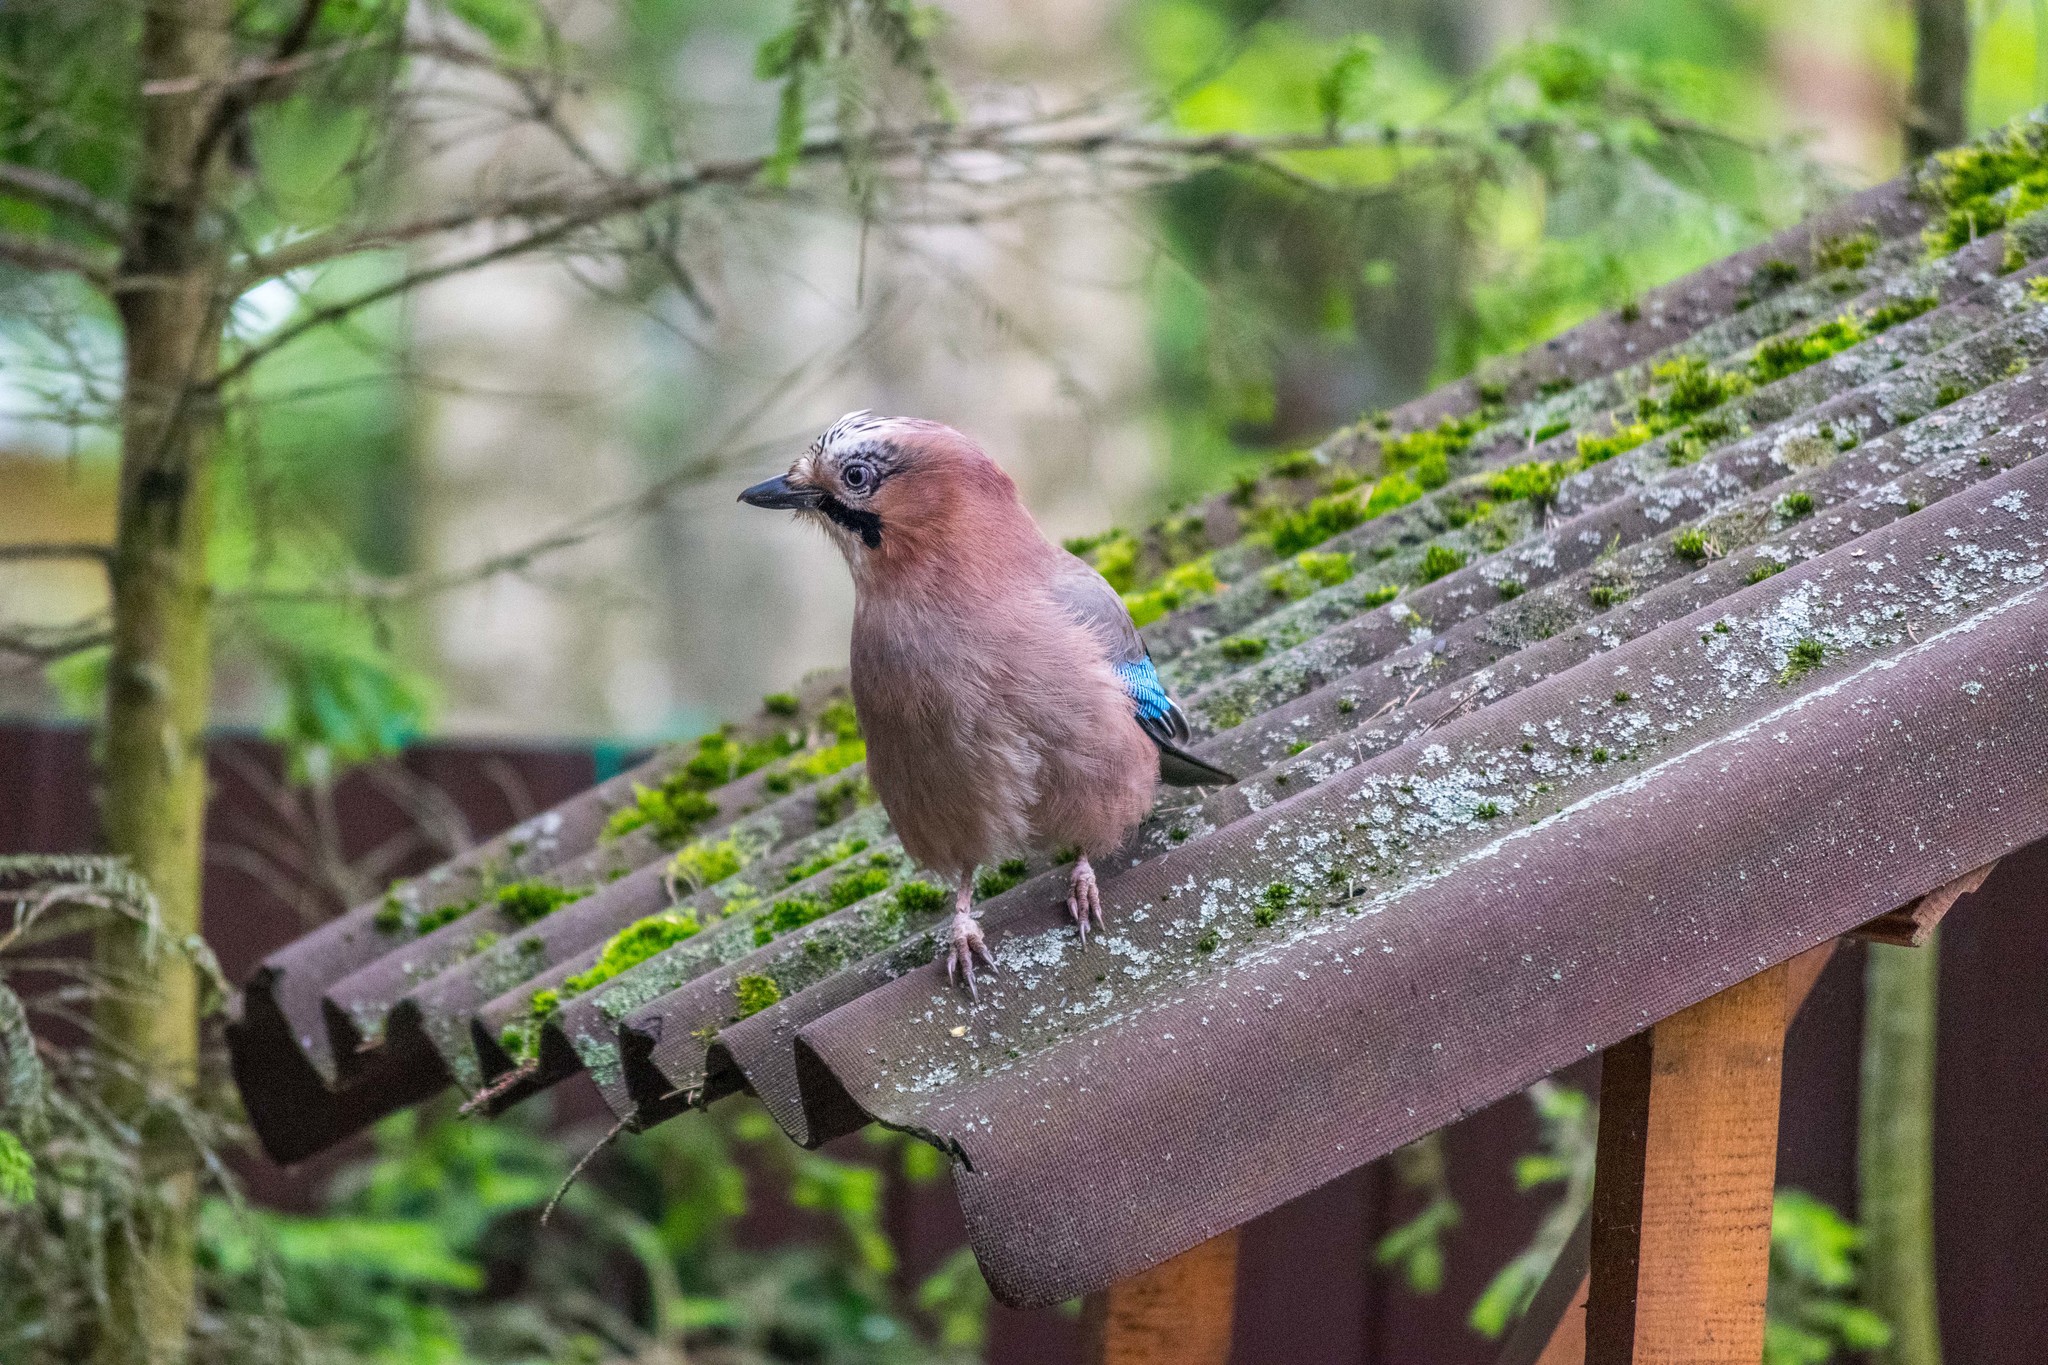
1142	685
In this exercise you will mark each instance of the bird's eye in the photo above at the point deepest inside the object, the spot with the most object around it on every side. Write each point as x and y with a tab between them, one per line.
857	477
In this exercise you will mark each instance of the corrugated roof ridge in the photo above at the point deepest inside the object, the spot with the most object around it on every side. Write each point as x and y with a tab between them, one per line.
1600	344
570	940
1344	643
1252	1089
1889	281
1224	611
1422	807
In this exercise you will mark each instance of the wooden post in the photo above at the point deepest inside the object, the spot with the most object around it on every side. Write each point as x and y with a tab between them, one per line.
1688	1152
1554	1330
1176	1313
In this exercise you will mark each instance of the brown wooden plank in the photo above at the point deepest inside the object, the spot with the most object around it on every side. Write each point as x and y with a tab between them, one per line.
1176	1313
1910	926
1681	1218
1553	1331
1567	1344
1802	973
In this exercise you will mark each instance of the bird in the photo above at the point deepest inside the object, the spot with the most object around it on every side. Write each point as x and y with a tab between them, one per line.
1008	702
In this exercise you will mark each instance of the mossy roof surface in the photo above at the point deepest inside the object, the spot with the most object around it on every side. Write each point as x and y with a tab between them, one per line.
1608	676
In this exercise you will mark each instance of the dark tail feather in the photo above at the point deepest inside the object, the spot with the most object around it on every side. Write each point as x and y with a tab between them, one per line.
1179	768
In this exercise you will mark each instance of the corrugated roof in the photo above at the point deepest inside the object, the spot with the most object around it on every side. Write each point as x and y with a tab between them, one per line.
1698	635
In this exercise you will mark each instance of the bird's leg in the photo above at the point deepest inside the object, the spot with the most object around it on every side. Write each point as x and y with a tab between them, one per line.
964	942
1084	899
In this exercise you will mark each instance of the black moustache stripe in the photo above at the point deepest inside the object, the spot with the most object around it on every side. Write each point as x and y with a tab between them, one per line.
866	525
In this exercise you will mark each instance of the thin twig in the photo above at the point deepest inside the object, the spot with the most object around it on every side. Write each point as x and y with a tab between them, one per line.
47	644
497	1089
923	143
581	1162
237	100
47	253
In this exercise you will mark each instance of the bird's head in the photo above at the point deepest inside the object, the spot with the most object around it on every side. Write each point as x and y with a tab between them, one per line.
893	492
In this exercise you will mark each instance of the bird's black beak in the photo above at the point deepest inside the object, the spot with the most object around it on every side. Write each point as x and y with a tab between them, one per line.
779	492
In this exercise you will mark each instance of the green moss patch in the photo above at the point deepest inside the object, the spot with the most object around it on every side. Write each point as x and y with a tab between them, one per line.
530	902
1318	520
915	899
1172	590
1437	561
1982	187
705	863
1113	554
1850	251
1764	569
1532	480
837	800
994	881
791	912
1309	572
1804	656
1795	505
811	867
671	812
1273	903
629	948
755	993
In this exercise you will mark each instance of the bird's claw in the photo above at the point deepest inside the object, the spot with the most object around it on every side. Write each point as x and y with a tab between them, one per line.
964	944
1084	898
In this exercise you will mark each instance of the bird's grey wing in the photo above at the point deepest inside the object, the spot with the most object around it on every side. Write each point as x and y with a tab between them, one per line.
1090	599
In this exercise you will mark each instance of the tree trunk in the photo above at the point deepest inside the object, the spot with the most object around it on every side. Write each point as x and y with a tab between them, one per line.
1896	1149
1941	76
160	673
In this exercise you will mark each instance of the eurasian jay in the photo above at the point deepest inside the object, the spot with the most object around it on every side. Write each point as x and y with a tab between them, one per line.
1007	700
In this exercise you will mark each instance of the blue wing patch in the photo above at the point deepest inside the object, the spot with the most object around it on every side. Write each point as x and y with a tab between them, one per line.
1142	686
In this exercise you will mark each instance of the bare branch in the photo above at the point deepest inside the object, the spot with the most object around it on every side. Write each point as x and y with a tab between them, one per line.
580	531
564	210
61	195
240	97
32	253
58	550
269	72
47	644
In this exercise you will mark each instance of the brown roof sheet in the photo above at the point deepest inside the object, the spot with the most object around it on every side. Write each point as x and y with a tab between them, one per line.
1734	690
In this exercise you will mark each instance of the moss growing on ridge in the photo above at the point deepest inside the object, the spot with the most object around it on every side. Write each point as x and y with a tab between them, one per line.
994	881
1172	590
529	902
629	948
1983	186
755	993
1309	572
811	867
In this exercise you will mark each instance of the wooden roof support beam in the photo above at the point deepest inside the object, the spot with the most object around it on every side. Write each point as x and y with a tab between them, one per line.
1553	1331
1912	925
1177	1313
1688	1151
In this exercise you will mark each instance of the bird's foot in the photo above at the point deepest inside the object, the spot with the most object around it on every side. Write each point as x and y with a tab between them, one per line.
964	944
1084	898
